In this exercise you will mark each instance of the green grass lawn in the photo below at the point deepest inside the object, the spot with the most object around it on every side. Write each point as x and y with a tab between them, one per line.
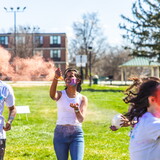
32	139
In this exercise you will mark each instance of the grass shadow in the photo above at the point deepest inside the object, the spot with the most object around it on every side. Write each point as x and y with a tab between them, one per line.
102	90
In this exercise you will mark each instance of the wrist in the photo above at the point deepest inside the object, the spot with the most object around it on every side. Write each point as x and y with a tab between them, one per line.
56	78
10	119
9	122
76	110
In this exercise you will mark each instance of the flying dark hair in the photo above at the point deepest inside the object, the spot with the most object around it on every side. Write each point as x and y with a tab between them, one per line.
77	75
137	96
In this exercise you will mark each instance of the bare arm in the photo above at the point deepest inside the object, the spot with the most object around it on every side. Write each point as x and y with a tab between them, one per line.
81	111
54	94
12	114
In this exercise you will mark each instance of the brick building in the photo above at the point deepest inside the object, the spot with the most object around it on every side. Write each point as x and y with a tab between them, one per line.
49	45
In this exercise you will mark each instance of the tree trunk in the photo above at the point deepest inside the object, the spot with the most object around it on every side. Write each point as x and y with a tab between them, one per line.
86	72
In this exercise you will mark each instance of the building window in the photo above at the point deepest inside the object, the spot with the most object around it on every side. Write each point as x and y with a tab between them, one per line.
20	39
38	40
56	53
38	53
55	40
4	40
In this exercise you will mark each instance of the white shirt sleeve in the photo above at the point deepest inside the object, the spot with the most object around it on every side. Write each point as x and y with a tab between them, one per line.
10	99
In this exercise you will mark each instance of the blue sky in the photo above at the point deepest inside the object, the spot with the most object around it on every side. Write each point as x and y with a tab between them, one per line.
59	15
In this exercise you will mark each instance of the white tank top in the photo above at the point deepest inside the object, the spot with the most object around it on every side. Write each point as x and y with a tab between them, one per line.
66	114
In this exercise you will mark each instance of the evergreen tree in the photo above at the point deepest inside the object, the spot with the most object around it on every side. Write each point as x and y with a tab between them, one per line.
143	31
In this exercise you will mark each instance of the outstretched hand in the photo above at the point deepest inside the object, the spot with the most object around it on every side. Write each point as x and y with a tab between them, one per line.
7	127
74	105
125	121
58	73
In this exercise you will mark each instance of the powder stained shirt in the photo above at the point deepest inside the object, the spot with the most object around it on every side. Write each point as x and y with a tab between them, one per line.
66	114
6	97
145	139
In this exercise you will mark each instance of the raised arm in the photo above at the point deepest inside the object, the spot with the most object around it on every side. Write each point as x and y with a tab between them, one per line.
54	94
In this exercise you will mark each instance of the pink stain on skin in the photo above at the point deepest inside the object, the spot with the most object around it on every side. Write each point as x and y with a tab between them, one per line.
28	69
73	82
157	98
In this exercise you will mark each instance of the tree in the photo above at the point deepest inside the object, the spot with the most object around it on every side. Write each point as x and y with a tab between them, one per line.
108	64
25	41
143	30
88	33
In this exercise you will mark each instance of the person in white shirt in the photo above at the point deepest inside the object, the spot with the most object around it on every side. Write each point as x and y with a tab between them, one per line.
68	134
145	108
6	97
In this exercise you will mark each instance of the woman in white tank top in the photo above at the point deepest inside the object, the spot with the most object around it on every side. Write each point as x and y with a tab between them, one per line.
68	134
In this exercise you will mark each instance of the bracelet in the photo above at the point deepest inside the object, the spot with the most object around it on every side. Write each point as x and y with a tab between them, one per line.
56	78
76	110
11	118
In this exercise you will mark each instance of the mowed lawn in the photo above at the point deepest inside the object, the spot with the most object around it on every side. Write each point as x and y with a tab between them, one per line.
32	139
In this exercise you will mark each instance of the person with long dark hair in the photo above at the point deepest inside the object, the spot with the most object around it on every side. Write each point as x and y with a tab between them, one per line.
68	134
144	117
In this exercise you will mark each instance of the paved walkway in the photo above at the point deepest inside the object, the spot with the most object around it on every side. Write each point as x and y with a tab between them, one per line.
48	83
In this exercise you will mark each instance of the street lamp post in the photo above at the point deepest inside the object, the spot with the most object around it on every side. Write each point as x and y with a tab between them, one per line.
81	69
12	10
90	65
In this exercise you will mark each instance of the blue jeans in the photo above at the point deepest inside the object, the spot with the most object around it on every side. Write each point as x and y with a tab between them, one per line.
68	139
2	148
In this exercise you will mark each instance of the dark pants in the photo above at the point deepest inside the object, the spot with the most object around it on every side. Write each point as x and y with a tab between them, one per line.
68	139
2	148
